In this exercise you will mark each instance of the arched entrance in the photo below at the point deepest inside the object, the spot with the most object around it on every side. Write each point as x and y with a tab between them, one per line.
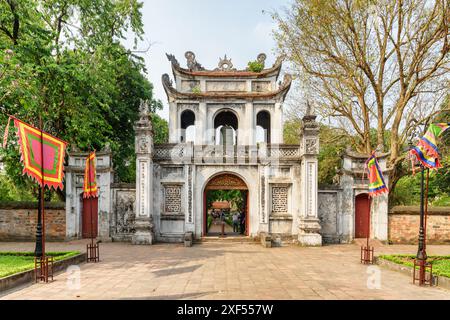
362	215
234	193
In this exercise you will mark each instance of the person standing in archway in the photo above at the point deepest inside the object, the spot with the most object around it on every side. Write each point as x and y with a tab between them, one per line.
242	221
235	222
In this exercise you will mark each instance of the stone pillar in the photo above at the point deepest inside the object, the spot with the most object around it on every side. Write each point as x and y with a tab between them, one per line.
276	124
144	178
174	126
200	125
249	128
309	226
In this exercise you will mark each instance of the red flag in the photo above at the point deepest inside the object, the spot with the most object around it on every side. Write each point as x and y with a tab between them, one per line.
45	167
90	181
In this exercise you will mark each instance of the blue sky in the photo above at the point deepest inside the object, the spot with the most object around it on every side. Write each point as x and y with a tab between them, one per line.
209	28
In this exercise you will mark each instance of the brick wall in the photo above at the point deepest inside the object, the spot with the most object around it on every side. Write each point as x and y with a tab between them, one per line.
18	221
404	222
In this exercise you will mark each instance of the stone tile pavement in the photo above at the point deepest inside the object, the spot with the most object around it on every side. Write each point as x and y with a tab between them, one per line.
226	270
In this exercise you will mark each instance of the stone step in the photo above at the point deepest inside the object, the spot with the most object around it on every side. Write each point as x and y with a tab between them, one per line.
242	239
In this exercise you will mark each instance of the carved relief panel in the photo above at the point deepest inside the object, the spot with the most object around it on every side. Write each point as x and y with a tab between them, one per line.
280	194
226	86
261	86
125	211
190	85
172	199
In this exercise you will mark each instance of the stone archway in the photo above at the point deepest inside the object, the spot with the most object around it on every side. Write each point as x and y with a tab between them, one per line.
226	181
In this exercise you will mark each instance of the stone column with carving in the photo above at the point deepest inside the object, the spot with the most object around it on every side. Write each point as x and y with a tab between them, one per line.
144	178
309	226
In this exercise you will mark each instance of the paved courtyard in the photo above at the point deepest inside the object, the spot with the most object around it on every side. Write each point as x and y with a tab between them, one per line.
227	270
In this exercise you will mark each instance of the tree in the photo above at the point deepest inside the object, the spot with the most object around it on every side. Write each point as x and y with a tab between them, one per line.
62	59
370	64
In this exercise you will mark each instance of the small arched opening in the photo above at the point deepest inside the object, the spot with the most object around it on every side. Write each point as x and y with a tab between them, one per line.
226	128
263	127
187	126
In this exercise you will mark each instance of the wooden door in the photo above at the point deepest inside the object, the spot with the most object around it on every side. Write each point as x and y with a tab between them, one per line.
90	225
362	216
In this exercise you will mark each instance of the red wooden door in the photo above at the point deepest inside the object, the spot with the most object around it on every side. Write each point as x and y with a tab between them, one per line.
362	215
247	222
90	225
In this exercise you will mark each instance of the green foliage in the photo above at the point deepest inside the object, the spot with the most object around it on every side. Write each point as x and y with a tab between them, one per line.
10	192
255	66
407	190
332	143
15	262
66	63
160	129
291	131
441	264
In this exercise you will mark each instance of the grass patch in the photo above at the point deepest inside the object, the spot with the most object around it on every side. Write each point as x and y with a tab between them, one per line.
12	262
441	264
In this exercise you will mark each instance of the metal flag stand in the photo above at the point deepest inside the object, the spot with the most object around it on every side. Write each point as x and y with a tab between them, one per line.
92	249
421	266
43	265
367	251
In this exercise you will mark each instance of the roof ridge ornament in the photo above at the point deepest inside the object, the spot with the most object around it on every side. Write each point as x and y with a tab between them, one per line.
192	64
225	64
309	109
261	58
172	59
287	79
166	80
309	119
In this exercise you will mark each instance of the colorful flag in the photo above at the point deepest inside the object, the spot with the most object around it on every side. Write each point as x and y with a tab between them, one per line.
42	155
419	153
430	139
90	181
426	152
377	185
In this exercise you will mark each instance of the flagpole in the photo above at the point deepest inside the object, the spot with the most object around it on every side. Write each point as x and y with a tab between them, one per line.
421	253
90	198
93	252
42	188
368	226
426	211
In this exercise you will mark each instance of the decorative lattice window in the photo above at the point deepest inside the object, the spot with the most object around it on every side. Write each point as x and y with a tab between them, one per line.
172	199
279	199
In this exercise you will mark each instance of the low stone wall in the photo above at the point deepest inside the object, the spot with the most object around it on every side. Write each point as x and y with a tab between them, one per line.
18	221
404	224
